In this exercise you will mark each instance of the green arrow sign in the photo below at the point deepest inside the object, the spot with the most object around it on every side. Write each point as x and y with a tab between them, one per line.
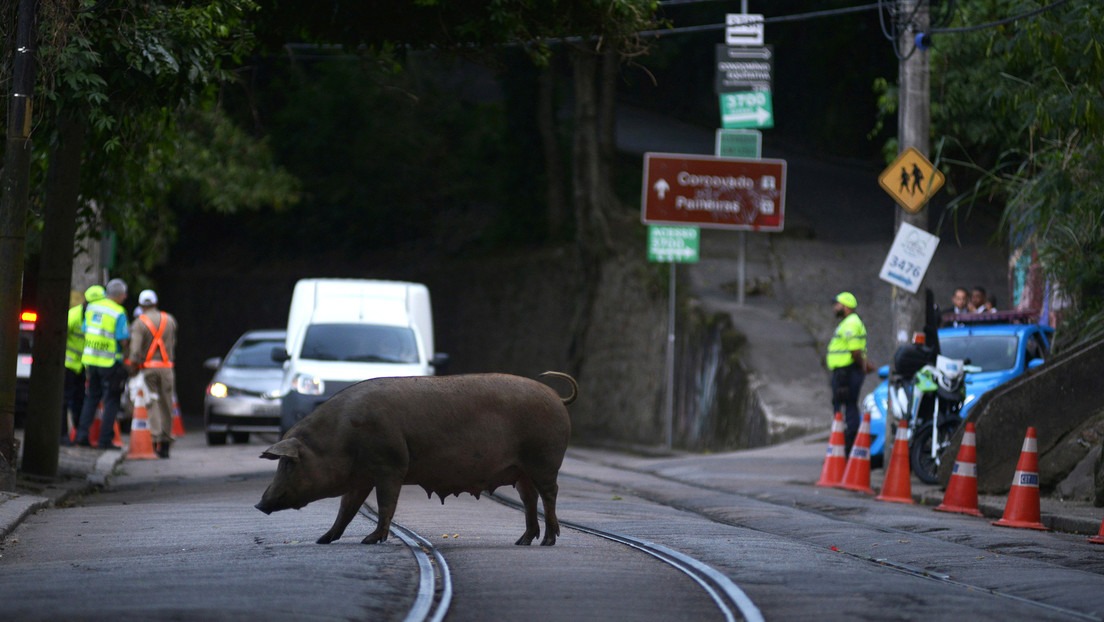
747	109
673	244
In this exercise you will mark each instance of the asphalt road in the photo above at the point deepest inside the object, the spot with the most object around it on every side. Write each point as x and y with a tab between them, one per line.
179	539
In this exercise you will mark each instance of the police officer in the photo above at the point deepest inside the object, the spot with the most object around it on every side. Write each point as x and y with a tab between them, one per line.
74	368
106	335
847	363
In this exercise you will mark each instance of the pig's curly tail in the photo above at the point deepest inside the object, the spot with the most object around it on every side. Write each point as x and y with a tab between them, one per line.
574	385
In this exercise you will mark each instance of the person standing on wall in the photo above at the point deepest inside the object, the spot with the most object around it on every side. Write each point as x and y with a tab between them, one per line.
106	336
152	351
848	364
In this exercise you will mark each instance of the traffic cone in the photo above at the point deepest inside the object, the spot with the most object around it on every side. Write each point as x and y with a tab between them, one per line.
94	429
1022	509
1098	538
177	420
856	476
141	440
897	487
962	495
834	461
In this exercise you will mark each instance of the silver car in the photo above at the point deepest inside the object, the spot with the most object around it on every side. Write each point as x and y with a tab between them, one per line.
244	394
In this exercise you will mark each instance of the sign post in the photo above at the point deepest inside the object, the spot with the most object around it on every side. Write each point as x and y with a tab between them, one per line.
672	245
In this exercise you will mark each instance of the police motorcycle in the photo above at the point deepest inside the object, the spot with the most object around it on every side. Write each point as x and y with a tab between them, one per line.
927	390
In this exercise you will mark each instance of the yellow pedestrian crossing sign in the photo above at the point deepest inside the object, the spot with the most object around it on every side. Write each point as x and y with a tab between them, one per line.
911	180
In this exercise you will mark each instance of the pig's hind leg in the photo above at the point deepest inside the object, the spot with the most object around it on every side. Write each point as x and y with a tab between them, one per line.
350	505
528	494
548	491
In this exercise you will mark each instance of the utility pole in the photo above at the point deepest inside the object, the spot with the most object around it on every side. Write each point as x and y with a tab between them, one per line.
914	130
14	182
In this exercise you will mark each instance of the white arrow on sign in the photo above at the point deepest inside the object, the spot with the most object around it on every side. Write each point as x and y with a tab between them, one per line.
661	188
759	115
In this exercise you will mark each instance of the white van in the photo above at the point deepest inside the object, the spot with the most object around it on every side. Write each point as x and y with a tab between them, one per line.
342	331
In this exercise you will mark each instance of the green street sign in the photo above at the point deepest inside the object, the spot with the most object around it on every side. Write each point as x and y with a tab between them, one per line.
673	244
746	109
739	144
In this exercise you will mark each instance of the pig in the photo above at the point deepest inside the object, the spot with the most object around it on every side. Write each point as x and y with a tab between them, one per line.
449	434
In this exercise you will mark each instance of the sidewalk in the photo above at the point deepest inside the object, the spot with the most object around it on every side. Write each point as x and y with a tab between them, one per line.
80	469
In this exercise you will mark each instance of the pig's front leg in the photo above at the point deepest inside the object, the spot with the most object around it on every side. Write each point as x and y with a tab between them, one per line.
387	499
350	504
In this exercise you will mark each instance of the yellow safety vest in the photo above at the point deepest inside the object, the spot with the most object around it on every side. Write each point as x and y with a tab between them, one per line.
850	335
74	340
101	349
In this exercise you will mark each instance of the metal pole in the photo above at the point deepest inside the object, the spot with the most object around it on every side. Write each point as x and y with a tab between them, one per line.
741	262
670	405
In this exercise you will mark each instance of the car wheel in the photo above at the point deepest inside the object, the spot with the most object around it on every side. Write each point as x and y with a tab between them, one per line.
240	437
216	438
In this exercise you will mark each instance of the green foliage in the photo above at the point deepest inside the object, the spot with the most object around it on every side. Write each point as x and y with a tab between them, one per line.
142	77
1024	103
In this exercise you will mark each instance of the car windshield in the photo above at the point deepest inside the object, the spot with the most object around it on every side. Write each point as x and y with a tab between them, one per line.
990	352
254	354
366	343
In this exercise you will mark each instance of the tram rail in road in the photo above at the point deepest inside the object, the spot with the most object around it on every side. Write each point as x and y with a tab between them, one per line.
434	593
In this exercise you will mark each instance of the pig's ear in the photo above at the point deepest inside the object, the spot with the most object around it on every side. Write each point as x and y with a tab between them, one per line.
287	448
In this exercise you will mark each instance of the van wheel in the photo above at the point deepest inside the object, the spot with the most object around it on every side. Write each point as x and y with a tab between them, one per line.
216	438
240	438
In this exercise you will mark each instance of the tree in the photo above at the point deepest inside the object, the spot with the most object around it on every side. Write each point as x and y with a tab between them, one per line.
1023	105
121	82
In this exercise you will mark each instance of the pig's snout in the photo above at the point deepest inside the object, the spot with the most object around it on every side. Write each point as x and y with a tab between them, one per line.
261	506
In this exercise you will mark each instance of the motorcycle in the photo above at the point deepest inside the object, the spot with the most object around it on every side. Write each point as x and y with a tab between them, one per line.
930	399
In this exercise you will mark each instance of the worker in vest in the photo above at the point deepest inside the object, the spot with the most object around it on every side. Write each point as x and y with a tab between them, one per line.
848	364
152	351
74	370
106	335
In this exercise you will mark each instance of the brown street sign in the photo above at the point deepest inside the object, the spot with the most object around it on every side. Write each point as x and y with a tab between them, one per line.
713	192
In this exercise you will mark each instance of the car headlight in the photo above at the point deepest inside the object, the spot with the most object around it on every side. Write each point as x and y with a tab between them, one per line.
217	390
308	385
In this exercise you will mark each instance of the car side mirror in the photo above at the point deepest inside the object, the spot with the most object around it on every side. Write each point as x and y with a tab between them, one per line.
883	372
439	361
1035	363
213	362
280	355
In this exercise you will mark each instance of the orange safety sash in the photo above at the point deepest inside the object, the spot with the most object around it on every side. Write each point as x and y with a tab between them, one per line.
157	343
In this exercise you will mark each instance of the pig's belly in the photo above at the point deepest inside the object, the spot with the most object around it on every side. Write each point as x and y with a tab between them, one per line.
455	480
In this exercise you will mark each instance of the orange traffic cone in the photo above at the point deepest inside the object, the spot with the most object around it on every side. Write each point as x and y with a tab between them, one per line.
897	486
94	429
141	440
1022	509
856	476
962	495
834	461
1098	538
177	420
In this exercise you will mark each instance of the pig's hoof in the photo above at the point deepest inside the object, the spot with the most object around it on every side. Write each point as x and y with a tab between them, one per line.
325	539
548	541
374	538
525	540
